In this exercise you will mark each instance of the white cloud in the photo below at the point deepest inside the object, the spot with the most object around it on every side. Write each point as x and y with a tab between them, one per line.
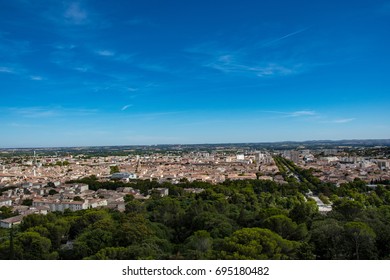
284	37
49	112
228	63
126	107
105	53
275	69
132	89
34	112
344	120
75	14
64	46
7	70
81	69
251	60
36	78
302	113
295	114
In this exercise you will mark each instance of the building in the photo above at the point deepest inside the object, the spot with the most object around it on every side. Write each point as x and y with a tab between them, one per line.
240	157
16	220
5	202
123	176
61	205
9	222
383	164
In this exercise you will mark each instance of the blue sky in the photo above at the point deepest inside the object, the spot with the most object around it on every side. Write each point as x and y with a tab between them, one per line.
83	73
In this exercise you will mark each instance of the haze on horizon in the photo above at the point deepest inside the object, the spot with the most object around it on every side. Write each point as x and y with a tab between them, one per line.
99	73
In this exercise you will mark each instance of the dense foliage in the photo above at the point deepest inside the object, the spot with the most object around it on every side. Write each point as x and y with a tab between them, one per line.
249	219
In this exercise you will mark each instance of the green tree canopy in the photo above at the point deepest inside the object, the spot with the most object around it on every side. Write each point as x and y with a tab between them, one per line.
258	243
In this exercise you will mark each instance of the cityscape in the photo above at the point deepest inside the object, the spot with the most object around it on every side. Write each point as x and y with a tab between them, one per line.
64	180
195	130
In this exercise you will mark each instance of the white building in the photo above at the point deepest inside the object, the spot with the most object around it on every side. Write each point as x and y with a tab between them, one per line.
61	205
240	157
123	176
5	202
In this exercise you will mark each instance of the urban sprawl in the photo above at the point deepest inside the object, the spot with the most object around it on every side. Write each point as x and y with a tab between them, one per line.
44	181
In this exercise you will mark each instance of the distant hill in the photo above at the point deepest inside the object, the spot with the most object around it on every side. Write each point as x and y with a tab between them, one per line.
139	149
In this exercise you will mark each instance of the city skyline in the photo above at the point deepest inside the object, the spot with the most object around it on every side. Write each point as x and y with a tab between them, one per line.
93	73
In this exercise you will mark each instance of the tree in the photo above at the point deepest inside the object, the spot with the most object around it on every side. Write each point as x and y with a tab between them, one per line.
50	185
135	207
91	241
348	208
33	220
304	212
34	247
128	198
167	211
133	230
218	225
58	231
6	212
363	240
328	238
112	253
199	246
257	244
52	192
114	169
285	227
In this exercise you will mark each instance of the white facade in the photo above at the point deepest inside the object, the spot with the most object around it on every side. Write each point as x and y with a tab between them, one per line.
240	157
5	202
61	205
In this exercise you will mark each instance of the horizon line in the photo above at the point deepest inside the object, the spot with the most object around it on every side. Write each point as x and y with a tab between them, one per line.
194	144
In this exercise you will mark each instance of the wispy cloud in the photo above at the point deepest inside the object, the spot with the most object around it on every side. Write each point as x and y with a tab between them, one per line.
64	46
302	113
274	69
69	60
49	112
114	56
274	41
310	115
228	64
82	68
75	14
294	114
36	78
34	112
16	69
343	120
126	107
7	70
20	71
131	89
73	19
254	59
247	61
105	52
157	115
11	48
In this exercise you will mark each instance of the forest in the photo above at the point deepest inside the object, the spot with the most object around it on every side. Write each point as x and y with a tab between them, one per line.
243	219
